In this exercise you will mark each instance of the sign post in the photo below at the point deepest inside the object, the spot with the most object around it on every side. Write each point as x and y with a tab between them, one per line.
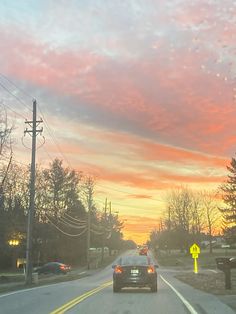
195	250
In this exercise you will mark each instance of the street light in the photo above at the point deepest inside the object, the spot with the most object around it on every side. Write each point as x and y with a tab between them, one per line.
13	242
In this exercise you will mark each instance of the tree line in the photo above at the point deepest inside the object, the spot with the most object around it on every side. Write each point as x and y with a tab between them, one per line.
60	225
193	216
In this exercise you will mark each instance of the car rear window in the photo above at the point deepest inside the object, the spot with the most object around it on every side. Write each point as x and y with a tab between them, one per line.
134	260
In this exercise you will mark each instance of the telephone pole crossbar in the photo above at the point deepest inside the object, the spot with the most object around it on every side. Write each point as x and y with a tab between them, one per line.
33	131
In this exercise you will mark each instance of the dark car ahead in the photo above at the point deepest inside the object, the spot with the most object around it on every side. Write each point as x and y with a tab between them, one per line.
134	271
53	268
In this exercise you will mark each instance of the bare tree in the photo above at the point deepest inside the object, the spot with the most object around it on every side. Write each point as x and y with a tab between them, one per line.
5	146
211	213
179	214
198	215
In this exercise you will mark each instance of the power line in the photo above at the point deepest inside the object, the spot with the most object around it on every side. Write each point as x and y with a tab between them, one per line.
77	220
64	222
18	114
68	234
96	232
51	133
17	98
20	89
73	222
16	161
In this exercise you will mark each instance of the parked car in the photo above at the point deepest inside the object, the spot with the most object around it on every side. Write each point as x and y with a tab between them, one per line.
134	271
53	268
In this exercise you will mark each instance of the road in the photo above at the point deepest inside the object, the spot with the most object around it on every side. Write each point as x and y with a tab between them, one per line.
93	294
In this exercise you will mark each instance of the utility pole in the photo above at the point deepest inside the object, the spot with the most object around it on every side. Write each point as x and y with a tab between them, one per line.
104	230
89	225
33	131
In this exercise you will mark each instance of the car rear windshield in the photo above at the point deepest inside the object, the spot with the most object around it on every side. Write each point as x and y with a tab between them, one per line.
134	260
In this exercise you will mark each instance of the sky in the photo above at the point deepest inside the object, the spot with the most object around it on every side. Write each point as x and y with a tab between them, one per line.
140	94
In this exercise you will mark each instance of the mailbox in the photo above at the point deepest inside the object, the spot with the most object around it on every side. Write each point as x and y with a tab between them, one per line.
232	262
225	264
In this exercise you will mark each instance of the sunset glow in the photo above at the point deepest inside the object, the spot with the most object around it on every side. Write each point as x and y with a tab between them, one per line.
140	94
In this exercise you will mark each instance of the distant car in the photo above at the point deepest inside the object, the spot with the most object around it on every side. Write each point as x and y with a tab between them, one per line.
143	250
134	271
53	268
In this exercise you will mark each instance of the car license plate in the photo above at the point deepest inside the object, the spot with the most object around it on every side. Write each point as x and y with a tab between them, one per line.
134	271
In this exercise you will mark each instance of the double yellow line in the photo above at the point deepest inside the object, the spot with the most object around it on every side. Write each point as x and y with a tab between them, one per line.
79	299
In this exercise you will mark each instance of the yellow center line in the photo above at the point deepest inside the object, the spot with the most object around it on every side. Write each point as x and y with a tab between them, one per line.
80	298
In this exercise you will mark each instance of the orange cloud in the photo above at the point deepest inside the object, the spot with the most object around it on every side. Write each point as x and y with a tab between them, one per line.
140	196
138	228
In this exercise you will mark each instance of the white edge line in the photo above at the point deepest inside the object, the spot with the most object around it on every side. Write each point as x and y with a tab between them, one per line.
186	303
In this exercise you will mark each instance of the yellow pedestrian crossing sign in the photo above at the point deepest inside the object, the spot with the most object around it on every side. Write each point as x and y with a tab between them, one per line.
194	249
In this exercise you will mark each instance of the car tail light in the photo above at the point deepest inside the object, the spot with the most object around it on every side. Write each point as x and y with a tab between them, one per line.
118	270
151	270
62	267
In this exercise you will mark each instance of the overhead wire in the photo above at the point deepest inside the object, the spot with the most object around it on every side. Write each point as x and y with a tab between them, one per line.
64	222
17	113
73	222
66	233
50	131
76	219
16	97
51	134
96	232
20	89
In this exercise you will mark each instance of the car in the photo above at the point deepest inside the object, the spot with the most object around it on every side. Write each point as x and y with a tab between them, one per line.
134	271
143	250
53	268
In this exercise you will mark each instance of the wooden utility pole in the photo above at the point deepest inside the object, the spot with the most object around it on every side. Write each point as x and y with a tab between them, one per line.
104	230
33	132
89	198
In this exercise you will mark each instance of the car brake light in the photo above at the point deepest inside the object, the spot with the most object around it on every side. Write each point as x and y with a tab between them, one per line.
151	270
118	270
62	267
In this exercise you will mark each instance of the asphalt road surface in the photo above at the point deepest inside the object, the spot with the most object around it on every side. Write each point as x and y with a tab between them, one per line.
94	295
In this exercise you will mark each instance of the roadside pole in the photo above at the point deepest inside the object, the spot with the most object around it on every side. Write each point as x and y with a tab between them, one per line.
33	132
104	230
195	264
195	250
89	230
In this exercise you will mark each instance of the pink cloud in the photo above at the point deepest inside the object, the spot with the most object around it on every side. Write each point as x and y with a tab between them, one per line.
164	94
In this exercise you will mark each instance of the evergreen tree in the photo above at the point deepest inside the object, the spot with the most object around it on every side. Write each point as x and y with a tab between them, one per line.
229	198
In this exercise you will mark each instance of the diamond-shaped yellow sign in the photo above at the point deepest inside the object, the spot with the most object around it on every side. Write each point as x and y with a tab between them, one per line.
194	249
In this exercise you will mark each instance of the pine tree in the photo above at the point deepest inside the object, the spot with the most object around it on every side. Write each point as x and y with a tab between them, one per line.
229	198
